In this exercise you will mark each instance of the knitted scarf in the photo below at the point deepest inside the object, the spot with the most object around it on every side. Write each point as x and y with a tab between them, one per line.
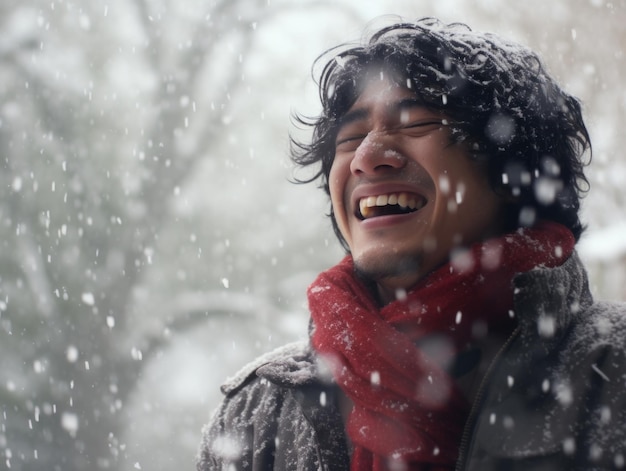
392	361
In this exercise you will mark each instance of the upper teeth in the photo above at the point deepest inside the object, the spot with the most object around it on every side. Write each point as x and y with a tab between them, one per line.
402	199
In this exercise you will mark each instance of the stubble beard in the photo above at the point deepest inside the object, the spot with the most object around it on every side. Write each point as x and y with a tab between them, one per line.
385	269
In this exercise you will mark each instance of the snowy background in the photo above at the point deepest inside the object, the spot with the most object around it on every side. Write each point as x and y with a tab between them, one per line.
151	240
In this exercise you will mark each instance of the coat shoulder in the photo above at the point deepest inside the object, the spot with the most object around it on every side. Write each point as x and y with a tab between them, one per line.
602	325
294	355
270	417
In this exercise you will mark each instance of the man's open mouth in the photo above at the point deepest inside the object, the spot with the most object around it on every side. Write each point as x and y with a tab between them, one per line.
389	204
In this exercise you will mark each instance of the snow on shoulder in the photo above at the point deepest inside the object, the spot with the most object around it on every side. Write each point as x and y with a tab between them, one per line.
290	358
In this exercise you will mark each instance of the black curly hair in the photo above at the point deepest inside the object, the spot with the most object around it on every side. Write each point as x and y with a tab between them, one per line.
498	98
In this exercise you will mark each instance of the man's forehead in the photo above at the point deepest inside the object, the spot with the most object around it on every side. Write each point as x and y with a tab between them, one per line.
381	91
389	100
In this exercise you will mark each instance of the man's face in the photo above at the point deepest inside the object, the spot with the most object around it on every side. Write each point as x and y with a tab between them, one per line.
404	195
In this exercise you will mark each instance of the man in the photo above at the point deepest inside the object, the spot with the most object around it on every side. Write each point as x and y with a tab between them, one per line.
459	331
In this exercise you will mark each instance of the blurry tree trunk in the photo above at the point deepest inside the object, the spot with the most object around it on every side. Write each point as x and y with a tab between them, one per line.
75	251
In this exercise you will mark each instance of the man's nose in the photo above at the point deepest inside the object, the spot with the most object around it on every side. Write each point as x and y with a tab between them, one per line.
377	154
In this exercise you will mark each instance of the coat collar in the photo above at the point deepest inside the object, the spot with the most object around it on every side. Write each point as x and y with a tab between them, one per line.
546	300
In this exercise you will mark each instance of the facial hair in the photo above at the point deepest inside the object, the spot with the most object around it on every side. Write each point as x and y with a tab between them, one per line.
386	269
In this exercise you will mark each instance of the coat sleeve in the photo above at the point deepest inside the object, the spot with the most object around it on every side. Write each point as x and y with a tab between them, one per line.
605	443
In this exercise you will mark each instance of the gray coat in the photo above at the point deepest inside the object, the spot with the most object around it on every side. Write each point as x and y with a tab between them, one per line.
553	399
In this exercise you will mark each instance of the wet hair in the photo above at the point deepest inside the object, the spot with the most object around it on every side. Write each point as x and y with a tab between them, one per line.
496	96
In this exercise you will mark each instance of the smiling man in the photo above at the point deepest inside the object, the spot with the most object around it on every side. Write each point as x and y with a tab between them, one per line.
459	331
396	184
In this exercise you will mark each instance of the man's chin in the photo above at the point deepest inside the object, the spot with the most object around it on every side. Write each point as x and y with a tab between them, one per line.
384	268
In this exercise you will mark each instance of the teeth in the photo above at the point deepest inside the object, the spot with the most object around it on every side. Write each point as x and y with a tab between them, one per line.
404	200
365	209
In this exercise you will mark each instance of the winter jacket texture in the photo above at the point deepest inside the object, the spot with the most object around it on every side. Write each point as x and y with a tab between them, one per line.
553	399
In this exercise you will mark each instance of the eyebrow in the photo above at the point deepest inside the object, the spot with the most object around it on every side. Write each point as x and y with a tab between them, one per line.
362	113
352	116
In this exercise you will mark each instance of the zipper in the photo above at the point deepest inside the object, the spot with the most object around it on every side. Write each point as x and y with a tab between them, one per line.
473	415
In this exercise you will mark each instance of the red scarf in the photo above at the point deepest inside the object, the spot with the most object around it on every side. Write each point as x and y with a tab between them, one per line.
408	410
